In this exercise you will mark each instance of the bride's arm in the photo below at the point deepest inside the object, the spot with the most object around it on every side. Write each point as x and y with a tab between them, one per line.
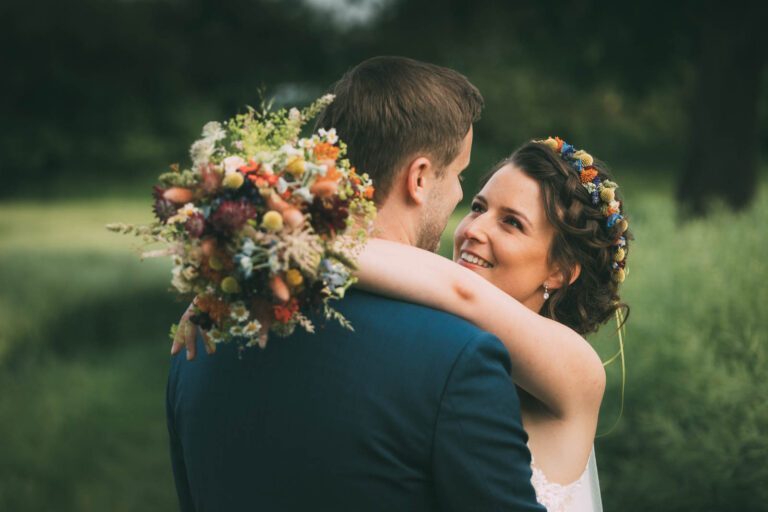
550	361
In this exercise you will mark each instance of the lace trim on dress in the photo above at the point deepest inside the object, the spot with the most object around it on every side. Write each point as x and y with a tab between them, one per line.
555	497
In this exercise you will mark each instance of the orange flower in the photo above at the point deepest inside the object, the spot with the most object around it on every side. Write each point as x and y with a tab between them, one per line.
369	192
559	144
216	308
250	167
326	151
588	174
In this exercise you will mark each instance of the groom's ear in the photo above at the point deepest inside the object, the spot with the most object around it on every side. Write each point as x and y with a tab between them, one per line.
418	174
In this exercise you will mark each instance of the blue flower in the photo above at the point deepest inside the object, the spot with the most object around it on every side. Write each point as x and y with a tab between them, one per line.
567	149
334	274
613	219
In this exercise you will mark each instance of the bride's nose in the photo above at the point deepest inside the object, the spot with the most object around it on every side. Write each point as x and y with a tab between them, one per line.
476	229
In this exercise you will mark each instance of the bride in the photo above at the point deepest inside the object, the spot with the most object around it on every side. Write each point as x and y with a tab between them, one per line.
538	262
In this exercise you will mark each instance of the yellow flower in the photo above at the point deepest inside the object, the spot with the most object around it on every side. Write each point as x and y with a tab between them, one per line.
230	285
619	276
585	157
552	143
607	195
233	180
215	263
294	277
620	254
623	225
272	221
296	166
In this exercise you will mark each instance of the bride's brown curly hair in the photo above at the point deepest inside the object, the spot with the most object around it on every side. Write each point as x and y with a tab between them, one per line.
581	237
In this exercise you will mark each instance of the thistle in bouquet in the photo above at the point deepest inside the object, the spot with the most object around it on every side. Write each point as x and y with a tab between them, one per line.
264	227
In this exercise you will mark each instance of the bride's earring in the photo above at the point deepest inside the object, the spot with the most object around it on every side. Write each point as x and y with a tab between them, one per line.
546	292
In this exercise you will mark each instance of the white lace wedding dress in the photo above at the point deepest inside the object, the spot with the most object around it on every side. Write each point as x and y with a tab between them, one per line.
583	495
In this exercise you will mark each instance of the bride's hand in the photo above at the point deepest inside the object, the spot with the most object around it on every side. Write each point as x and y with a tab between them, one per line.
185	336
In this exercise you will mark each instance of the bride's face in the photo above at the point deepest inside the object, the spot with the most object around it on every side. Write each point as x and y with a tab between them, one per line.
506	237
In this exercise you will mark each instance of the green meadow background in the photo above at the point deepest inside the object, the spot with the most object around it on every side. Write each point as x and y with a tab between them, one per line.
84	353
103	95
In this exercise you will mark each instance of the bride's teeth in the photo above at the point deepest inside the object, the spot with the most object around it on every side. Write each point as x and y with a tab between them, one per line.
475	260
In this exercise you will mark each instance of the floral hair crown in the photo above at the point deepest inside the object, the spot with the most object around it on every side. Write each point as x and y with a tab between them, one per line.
601	191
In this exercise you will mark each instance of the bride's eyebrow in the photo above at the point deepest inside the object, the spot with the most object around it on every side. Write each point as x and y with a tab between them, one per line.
517	213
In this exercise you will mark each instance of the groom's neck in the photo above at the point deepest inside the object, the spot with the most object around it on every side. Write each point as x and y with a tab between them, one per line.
394	224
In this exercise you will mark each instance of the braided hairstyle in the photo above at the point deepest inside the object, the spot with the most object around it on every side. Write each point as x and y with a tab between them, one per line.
582	237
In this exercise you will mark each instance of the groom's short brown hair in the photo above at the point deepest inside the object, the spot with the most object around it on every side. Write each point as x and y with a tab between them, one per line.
388	109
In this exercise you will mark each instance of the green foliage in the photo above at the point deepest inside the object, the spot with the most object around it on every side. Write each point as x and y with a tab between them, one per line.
84	359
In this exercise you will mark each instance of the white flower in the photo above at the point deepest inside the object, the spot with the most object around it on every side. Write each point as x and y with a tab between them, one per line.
282	185
252	328
183	213
239	312
330	135
215	335
247	263
328	98
294	114
213	130
189	273
306	143
232	164
248	246
290	150
178	281
201	151
236	330
304	193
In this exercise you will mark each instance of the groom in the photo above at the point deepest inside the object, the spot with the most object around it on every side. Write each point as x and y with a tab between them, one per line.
415	409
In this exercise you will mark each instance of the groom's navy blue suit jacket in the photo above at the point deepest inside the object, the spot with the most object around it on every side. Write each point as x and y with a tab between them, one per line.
415	410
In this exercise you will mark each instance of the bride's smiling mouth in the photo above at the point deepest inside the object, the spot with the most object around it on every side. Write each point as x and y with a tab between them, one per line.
469	259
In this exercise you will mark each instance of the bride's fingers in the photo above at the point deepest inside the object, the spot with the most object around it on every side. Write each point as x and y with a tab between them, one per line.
210	347
177	342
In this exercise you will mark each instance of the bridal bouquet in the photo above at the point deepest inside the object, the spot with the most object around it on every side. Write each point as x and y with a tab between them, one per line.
264	227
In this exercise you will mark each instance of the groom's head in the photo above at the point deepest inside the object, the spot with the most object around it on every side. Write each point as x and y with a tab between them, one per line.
408	124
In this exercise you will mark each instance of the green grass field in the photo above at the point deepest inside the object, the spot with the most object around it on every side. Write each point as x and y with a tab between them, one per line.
83	359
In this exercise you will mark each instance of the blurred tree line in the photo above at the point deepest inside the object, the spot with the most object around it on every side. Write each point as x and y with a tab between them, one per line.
101	94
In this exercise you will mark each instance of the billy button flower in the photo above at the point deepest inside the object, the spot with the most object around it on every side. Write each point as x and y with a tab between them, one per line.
233	180
230	285
294	278
272	221
296	166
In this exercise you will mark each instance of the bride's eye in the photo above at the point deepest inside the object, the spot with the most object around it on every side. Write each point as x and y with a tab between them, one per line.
476	207
512	221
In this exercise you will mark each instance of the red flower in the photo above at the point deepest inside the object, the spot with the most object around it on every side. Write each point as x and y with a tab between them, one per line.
284	312
232	215
195	225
